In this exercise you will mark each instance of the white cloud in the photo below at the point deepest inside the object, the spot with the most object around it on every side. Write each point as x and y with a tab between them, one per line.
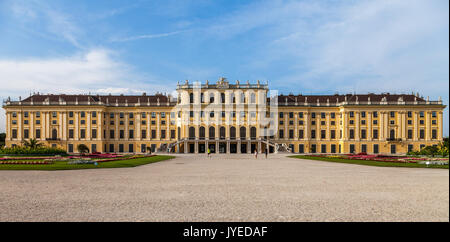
96	71
147	36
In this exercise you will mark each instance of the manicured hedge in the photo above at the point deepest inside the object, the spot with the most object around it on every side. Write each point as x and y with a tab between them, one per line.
19	150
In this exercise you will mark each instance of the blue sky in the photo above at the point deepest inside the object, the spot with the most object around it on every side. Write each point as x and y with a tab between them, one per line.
309	47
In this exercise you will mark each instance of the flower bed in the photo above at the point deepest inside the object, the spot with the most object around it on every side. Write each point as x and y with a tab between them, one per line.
35	162
384	158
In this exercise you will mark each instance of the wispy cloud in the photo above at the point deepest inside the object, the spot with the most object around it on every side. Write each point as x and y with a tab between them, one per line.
38	14
147	36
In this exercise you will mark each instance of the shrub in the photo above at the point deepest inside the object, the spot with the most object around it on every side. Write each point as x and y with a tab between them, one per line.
20	150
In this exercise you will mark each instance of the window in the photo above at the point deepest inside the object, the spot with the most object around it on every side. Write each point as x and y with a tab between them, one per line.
363	122
281	114
202	99
25	121
111	134
281	134
323	148
291	134
333	134
93	147
433	114
143	134
153	115
143	115
111	115
393	149
313	134
422	114
313	148
38	134
94	114
351	121
375	114
94	133
301	148
392	134
191	114
252	98
352	148
38	114
191	98
333	115
409	114
392	114
120	148
222	97
300	114
163	114
300	134
333	148
352	114
82	133
410	147
172	134
313	115
422	134
364	148
130	115
25	114
54	114
81	121
26	134
352	134
363	134
433	134
323	134
291	114
392	122
14	114
153	134
409	122
322	122
322	115
70	133
363	114
300	122
421	122
121	134
121	115
211	98
433	121
94	121
410	133
375	134
375	122
70	148
130	122
14	133
131	134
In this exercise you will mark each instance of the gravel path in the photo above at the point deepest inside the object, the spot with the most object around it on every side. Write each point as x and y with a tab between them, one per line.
227	188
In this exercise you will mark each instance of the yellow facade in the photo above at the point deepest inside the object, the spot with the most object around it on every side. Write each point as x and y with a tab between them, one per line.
227	118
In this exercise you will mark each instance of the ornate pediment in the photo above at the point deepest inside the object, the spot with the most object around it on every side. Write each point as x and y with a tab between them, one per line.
222	83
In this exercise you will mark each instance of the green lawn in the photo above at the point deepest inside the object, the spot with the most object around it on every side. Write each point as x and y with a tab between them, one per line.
62	165
368	162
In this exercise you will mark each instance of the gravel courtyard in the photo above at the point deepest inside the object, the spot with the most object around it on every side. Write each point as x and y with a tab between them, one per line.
227	188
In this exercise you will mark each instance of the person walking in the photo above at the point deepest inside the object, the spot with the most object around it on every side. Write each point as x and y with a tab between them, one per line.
266	152
256	154
209	153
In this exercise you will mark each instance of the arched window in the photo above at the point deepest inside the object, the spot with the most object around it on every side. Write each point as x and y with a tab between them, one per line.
222	97
212	132
222	132
202	132
191	133
202	99
232	132
54	134
211	98
242	132
191	98
252	98
242	97
253	132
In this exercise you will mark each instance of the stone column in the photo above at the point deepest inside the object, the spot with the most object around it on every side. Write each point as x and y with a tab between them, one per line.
76	131
404	129
228	147
415	126
116	126
126	136
369	126
307	128
99	125
8	126
19	125
427	126
440	120
185	147
88	125
358	125
328	136
31	131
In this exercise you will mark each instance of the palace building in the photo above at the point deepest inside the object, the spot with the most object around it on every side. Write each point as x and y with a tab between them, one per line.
227	118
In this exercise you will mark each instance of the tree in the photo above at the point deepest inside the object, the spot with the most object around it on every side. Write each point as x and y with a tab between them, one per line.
82	148
32	143
2	139
443	147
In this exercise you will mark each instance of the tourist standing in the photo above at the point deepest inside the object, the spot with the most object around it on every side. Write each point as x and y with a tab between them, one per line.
256	154
266	152
209	153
